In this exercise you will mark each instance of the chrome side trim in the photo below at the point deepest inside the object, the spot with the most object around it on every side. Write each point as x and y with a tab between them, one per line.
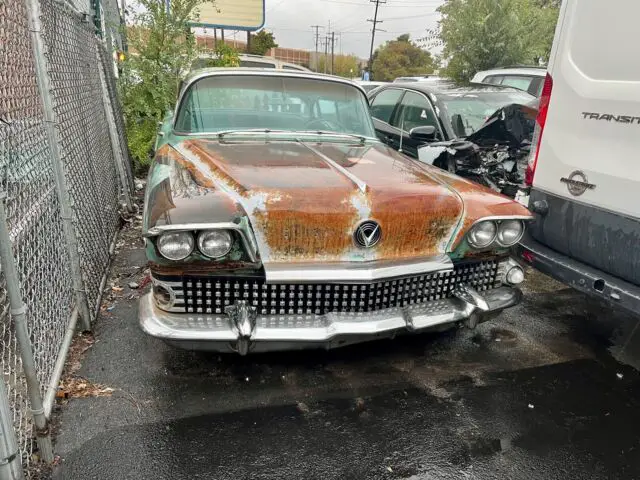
342	272
249	246
498	218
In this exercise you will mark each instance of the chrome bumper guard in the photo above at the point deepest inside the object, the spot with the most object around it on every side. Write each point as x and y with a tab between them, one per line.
241	330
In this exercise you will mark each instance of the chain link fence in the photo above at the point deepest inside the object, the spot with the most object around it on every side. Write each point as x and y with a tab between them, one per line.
58	84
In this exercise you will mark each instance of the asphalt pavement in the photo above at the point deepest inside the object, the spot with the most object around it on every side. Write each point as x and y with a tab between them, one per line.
550	390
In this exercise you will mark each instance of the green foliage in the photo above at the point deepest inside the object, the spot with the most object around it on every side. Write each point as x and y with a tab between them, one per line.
262	42
161	50
400	58
484	34
343	65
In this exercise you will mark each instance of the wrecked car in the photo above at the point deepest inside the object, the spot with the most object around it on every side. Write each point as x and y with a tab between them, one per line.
479	132
274	219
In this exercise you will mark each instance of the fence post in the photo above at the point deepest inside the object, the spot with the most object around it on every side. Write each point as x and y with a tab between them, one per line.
10	460
113	136
66	214
18	312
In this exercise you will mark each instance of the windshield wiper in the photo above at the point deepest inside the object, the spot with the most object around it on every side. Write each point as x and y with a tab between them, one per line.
350	136
251	131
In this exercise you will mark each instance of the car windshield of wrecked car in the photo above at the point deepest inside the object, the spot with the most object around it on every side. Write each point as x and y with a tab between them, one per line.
232	103
470	110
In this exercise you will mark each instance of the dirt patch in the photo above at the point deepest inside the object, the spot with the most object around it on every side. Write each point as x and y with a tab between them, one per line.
537	282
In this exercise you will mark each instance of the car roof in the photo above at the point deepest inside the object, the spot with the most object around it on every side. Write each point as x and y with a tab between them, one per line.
219	71
445	88
196	75
518	70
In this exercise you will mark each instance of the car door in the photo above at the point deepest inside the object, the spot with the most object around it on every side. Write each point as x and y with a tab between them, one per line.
383	106
415	111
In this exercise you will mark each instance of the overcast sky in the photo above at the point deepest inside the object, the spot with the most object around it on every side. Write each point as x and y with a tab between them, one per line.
291	20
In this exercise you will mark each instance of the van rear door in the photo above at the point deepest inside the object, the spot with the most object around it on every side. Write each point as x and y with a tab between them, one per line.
588	160
593	121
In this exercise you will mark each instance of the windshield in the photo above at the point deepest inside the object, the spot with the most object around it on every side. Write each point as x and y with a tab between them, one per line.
468	111
262	102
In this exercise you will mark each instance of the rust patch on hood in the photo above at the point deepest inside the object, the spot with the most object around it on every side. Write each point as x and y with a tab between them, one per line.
311	224
304	201
304	204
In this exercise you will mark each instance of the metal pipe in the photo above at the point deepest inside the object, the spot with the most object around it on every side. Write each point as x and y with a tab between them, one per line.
66	213
115	144
103	282
18	313
52	388
10	459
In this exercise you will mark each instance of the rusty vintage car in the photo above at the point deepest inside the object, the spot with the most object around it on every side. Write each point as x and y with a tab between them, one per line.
274	220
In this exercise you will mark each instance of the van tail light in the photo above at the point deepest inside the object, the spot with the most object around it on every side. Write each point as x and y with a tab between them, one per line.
541	119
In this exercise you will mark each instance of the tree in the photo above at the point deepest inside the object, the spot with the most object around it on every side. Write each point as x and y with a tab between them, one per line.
484	34
343	65
162	50
400	58
262	42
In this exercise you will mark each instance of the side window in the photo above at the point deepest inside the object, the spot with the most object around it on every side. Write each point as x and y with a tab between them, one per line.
416	111
493	79
535	88
383	104
517	82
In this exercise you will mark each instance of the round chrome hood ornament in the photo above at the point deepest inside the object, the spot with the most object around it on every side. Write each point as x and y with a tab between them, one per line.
367	234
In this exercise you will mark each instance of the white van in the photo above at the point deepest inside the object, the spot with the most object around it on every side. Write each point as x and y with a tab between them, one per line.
585	171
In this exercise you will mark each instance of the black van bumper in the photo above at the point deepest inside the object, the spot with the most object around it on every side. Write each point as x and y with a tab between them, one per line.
579	276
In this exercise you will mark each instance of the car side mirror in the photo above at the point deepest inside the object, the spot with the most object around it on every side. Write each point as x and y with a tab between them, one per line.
425	134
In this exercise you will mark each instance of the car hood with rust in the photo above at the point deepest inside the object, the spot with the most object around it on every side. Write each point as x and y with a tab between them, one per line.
303	201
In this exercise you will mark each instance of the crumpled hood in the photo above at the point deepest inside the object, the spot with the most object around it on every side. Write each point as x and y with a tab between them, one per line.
304	200
512	124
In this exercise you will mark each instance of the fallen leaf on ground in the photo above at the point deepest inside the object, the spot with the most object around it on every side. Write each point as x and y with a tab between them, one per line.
78	387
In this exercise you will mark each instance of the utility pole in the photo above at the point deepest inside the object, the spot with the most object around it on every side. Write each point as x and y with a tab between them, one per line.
317	37
375	22
333	43
326	52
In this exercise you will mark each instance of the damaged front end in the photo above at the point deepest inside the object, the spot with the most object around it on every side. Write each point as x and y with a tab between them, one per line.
495	155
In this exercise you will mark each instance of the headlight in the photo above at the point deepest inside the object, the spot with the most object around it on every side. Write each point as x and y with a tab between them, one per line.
215	243
482	234
175	245
510	232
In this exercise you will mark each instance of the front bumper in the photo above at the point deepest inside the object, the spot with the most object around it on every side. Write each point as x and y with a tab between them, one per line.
579	275
237	332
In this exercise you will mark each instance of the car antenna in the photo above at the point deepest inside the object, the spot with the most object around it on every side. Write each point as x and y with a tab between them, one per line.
401	130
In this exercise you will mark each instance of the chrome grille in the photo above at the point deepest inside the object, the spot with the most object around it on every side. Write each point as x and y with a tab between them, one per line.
211	294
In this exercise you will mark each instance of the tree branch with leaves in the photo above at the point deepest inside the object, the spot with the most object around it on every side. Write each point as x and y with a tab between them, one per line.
161	52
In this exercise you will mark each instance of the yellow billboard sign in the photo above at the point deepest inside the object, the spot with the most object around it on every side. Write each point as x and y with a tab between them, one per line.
232	14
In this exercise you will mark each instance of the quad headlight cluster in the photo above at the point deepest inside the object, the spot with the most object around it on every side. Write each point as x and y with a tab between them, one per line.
179	245
489	233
